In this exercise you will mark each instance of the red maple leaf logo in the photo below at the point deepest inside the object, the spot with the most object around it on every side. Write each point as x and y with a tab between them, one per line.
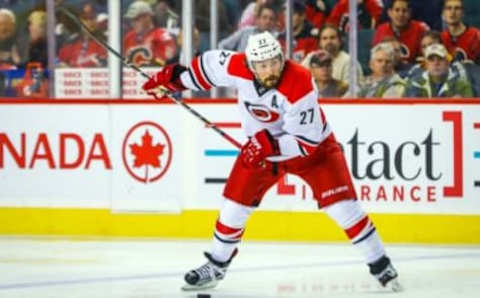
146	154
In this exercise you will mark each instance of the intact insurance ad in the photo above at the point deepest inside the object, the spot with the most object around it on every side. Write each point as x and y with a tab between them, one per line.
159	158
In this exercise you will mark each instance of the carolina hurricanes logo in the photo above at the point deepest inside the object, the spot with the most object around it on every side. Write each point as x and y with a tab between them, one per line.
139	55
262	113
147	151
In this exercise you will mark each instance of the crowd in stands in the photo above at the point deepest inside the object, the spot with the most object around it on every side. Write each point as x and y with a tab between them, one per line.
405	48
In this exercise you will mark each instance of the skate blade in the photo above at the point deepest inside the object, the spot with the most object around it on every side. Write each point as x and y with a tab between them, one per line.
209	285
395	285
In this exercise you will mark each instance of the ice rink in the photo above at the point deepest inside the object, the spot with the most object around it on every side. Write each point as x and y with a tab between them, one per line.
121	268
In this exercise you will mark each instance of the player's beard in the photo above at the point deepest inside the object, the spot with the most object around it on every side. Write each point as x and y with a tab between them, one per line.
270	81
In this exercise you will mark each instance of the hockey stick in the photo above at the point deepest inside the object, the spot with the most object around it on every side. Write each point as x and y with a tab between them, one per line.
144	74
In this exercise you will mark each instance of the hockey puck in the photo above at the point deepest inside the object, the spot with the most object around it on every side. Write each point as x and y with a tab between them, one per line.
203	296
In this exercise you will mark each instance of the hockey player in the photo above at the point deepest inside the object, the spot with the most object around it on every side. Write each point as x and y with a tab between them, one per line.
288	133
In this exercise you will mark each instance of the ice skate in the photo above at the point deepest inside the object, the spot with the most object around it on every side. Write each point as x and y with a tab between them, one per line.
206	276
386	274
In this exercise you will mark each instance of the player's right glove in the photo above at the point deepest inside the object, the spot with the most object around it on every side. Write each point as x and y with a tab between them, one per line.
168	79
260	146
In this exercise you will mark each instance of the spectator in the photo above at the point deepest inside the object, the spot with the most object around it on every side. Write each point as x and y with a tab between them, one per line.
102	25
462	41
146	44
304	34
238	40
33	46
430	37
66	29
202	22
428	12
331	41
9	56
383	82
250	12
407	31
320	66
165	17
439	80
84	51
233	8
400	65
369	12
180	58
316	12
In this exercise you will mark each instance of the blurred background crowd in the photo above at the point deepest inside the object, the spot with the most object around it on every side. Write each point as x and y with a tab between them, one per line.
421	48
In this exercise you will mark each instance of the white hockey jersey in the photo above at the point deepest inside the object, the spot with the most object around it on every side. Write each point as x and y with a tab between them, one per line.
289	111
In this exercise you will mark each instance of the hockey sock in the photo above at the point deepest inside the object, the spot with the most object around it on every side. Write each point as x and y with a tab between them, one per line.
229	229
359	228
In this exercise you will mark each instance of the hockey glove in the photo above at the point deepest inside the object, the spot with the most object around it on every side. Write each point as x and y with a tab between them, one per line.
260	146
166	80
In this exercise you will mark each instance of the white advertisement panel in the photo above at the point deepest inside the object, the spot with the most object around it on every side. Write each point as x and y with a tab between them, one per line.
158	157
94	156
403	159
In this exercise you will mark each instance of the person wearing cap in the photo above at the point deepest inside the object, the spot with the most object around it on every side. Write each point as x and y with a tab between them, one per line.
145	44
101	23
383	82
428	38
439	79
320	66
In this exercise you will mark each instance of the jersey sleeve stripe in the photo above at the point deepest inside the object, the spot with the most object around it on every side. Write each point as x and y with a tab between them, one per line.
193	80
198	75
202	68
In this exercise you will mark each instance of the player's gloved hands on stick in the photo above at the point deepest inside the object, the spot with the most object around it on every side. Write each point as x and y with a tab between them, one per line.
260	146
166	80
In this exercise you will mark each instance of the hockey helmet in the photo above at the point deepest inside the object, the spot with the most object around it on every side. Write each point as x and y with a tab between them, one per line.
261	47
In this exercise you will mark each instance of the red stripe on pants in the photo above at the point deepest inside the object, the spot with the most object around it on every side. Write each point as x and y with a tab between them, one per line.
226	230
357	228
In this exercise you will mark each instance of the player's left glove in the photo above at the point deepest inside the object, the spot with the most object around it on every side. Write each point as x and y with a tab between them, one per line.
260	146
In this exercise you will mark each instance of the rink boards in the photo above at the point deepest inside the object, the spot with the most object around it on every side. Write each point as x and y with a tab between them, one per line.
143	168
